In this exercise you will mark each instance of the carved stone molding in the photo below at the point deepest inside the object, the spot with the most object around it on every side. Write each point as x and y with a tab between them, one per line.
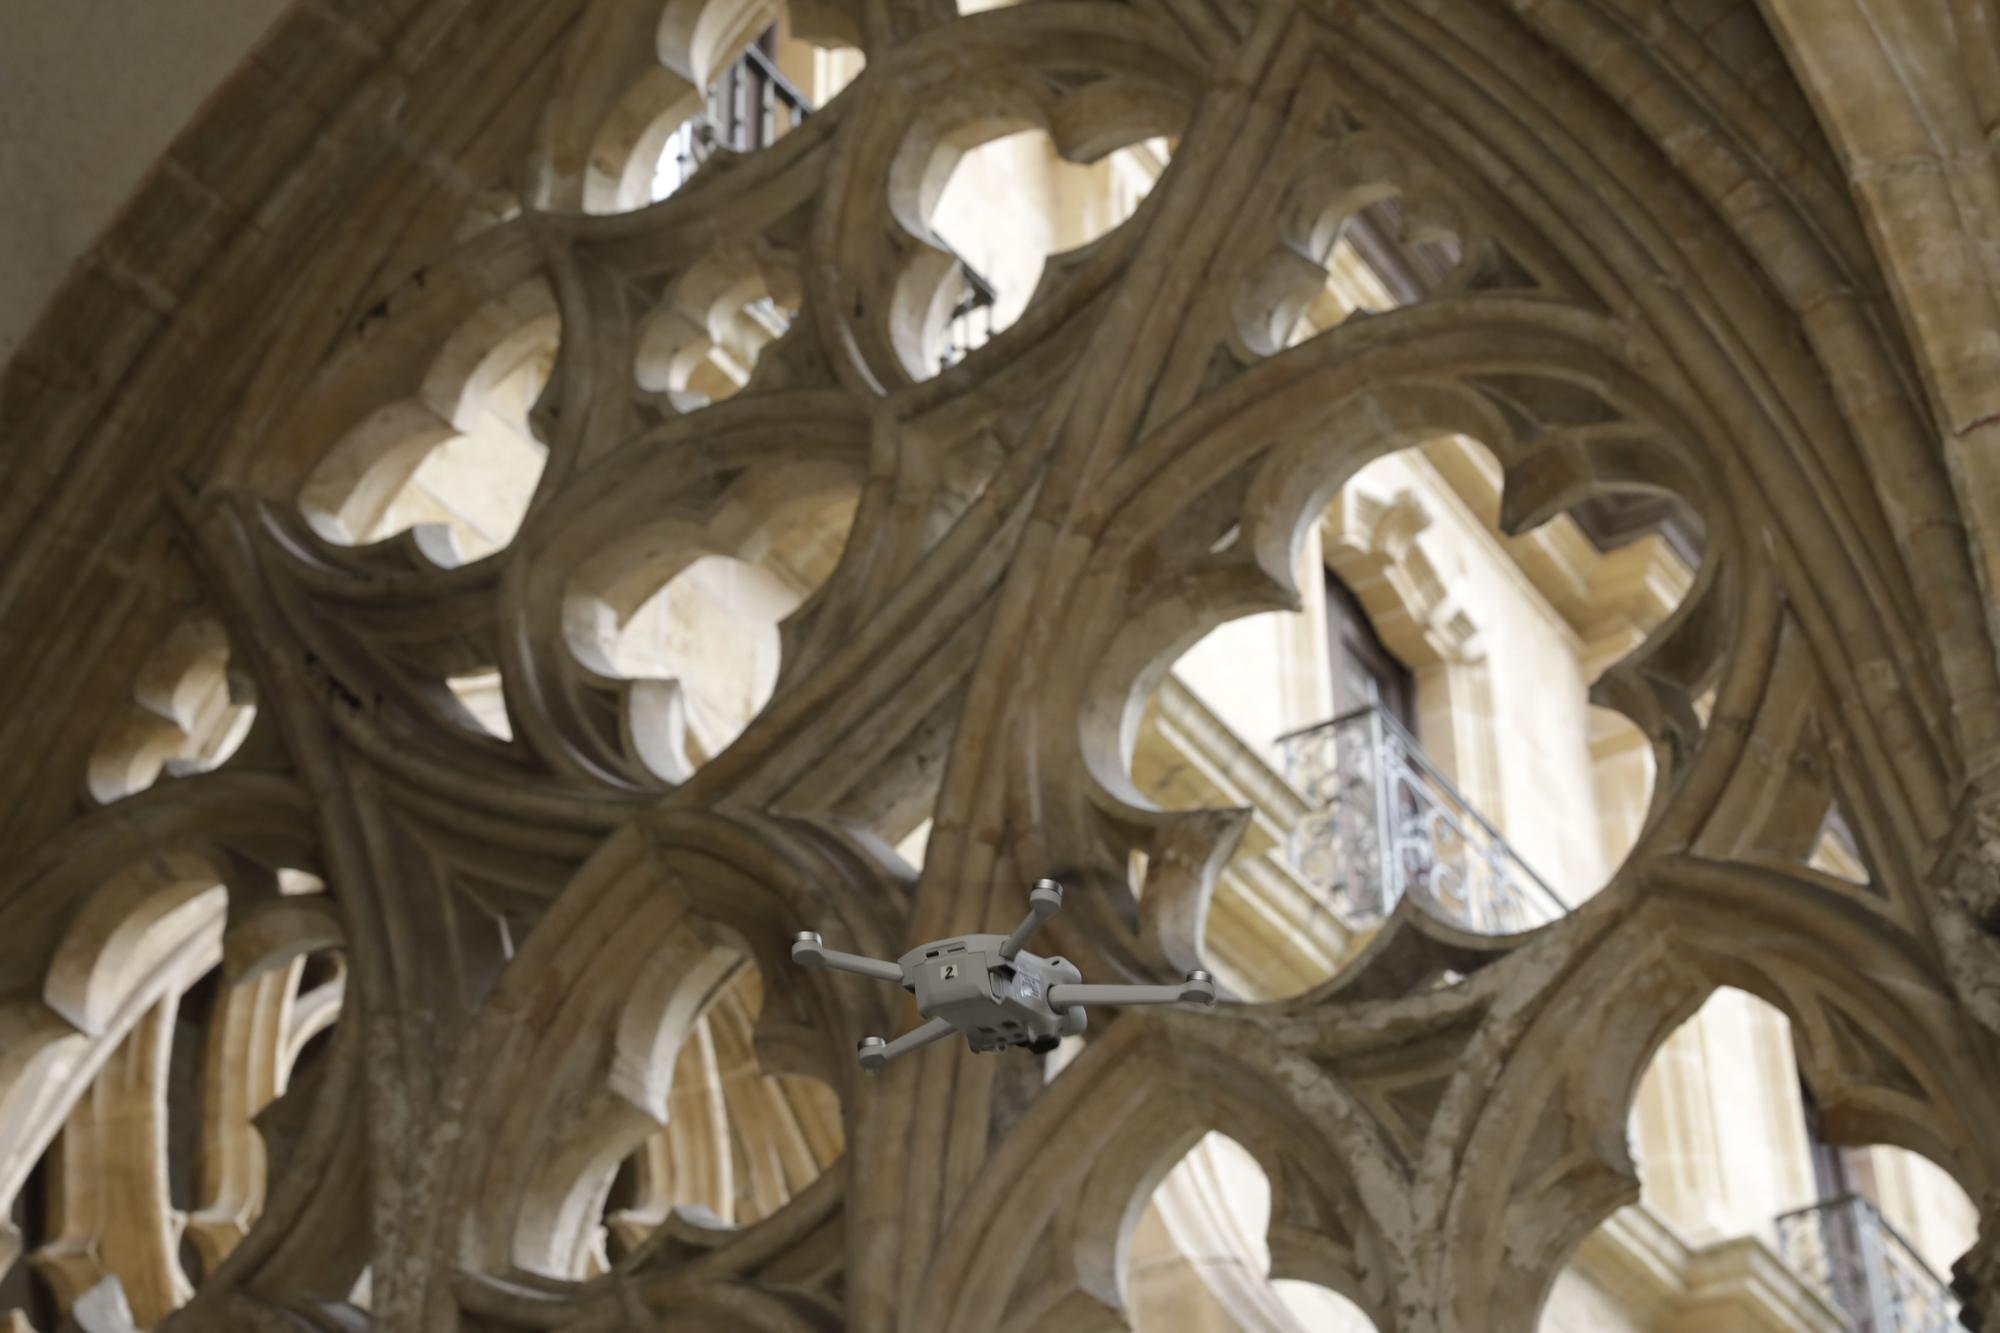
1653	277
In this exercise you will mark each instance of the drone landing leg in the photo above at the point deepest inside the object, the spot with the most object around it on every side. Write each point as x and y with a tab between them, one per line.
1199	987
875	1052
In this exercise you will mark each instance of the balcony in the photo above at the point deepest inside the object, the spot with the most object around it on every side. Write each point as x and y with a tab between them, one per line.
971	323
749	106
1865	1269
1384	823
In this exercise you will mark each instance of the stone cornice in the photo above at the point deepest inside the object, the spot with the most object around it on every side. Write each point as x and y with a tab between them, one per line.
1664	1283
1608	599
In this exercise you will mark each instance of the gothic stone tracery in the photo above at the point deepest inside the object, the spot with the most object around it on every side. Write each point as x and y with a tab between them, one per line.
1665	283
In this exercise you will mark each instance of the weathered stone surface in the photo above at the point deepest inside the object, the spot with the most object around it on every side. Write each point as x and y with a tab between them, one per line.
1676	227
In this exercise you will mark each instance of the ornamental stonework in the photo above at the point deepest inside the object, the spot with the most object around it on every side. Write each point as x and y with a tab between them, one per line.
496	992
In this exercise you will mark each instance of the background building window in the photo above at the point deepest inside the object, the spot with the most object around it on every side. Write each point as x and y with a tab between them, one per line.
1364	669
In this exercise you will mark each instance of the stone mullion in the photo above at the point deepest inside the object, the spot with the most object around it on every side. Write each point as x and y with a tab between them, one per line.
69	1258
308	1014
767	1145
244	1068
396	994
117	1218
918	642
653	1175
690	1161
1286	120
817	1114
1966	873
970	879
1076	435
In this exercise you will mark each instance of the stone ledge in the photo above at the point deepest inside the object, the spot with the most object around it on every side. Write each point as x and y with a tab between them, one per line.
1737	1284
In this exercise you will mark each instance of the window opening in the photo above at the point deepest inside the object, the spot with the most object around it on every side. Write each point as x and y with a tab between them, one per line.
1364	670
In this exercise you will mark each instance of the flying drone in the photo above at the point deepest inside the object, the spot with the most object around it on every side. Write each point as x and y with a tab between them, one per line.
990	989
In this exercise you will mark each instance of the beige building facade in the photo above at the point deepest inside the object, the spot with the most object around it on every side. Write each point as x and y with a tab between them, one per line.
1471	521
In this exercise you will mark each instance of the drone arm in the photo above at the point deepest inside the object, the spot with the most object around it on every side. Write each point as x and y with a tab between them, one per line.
807	951
1043	902
875	1053
1199	988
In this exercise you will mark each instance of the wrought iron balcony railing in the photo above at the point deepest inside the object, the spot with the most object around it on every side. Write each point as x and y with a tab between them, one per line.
971	323
749	106
1384	822
1865	1268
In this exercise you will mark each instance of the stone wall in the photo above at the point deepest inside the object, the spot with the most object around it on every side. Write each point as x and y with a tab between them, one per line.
452	590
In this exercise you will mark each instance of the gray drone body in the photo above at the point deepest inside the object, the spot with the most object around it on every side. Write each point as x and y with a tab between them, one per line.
992	990
995	1001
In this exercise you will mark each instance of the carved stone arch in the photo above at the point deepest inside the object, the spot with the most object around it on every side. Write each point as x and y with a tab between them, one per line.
271	934
359	474
1795	776
558	701
216	828
1589	196
1367	179
1252	570
555	1205
1676	242
669	884
630	75
740	1143
1332	185
1930	256
1199	1207
190	709
52	1063
610	87
108	1004
1772	248
253	1044
1349	412
112	938
1881	1056
1544	1144
901	146
705	315
145	891
625	155
698	37
1161	1086
745	516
